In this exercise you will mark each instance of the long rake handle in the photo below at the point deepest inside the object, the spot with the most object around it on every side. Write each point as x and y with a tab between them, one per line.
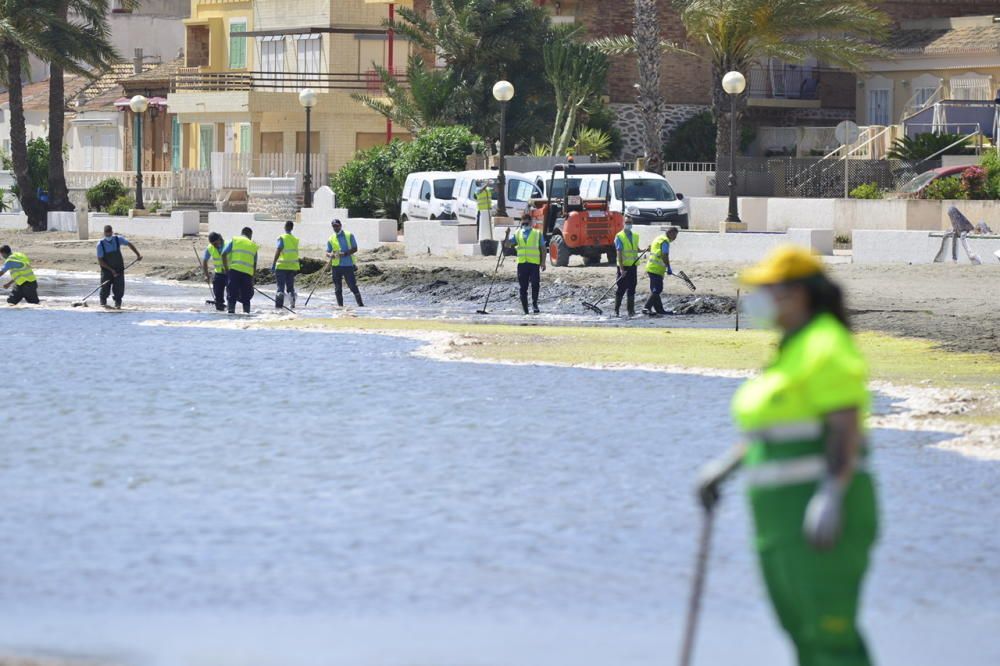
697	588
84	299
620	278
268	297
496	270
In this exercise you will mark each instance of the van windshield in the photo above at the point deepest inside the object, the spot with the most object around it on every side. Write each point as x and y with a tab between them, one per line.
444	188
557	188
644	190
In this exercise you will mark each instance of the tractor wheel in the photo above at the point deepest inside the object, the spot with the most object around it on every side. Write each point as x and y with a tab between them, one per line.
562	251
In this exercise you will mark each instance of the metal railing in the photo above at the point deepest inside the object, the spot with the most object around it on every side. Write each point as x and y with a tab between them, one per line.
689	166
913	106
276	81
785	81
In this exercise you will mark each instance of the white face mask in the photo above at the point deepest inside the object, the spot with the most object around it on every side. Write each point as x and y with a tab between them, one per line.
761	308
628	226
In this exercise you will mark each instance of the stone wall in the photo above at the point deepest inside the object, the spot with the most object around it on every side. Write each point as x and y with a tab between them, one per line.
282	207
629	122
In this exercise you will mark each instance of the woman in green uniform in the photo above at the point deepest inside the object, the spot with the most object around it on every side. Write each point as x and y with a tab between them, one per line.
805	460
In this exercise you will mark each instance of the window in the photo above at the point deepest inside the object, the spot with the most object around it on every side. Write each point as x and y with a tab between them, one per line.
237	45
245	146
444	188
300	143
879	112
425	191
521	190
309	47
972	86
175	142
272	61
206	136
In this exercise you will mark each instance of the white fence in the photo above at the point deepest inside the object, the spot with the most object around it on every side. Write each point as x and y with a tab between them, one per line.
231	170
186	185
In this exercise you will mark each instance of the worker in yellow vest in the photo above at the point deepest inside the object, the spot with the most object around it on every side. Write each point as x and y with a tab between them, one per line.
241	258
340	250
285	266
484	206
627	249
530	246
806	459
23	283
218	282
658	266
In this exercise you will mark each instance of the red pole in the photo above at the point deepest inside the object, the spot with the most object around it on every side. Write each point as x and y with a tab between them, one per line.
392	68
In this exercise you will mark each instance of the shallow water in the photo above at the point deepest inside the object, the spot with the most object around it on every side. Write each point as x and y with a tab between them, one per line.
359	505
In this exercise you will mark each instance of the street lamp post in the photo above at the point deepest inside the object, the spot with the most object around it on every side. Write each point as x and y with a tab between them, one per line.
307	98
503	91
138	104
734	84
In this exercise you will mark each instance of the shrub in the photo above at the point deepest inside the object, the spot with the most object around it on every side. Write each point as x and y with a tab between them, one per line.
154	207
593	142
603	118
694	140
991	165
102	195
922	146
38	164
4	204
122	205
867	191
974	182
945	188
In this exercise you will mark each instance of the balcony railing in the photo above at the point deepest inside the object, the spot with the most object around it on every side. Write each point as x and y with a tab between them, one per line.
784	81
275	81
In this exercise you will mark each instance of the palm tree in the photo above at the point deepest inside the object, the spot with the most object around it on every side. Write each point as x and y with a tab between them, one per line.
646	33
431	98
578	73
88	44
734	34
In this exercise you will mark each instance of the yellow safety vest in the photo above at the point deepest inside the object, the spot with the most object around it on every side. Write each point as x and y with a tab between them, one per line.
528	251
655	265
288	260
23	274
630	249
217	262
243	255
781	412
484	199
335	246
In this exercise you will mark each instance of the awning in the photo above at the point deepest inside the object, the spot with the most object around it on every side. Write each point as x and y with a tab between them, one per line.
122	102
315	30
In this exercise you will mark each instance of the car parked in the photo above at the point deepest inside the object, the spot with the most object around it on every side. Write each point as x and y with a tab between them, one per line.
520	191
428	195
649	193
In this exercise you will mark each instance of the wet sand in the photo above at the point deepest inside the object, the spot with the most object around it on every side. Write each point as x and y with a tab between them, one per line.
957	306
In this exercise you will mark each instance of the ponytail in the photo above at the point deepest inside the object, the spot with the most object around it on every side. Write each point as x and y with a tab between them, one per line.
826	296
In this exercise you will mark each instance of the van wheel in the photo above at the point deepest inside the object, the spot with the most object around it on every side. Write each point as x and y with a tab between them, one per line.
562	251
612	257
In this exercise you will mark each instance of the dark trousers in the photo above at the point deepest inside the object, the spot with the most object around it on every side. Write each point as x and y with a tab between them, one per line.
239	290
219	281
626	285
654	302
349	273
529	274
286	285
112	285
24	292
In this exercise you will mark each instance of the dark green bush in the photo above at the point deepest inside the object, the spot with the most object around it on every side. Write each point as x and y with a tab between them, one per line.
102	195
694	140
945	188
122	205
38	164
923	146
867	191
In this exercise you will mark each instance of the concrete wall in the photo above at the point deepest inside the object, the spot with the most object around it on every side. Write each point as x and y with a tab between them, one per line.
692	183
18	221
976	211
370	233
915	247
745	247
844	216
706	212
178	225
433	237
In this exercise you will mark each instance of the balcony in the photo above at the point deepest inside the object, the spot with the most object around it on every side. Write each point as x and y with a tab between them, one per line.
796	86
276	81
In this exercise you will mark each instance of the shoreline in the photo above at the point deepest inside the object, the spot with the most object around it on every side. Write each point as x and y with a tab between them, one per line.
968	413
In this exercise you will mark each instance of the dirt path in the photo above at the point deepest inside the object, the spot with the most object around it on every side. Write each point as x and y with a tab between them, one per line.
955	305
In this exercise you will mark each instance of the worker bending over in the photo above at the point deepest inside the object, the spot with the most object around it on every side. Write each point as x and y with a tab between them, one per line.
340	250
657	267
530	246
627	247
241	259
22	278
285	265
112	263
214	254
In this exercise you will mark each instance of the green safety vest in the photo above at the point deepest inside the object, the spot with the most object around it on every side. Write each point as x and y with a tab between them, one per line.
23	274
484	199
335	244
781	413
243	254
217	262
288	260
655	265
528	251
630	249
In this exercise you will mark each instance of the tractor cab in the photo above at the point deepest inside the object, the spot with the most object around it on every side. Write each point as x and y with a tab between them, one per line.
574	225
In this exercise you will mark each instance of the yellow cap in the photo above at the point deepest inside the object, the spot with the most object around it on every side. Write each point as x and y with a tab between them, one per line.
783	264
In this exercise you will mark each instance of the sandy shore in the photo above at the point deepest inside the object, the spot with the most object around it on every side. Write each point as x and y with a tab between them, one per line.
957	306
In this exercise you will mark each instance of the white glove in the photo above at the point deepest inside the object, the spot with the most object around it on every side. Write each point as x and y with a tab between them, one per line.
824	515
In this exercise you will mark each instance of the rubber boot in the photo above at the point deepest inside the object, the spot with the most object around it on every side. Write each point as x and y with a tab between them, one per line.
534	308
340	298
357	297
647	308
279	300
631	305
524	304
659	306
291	298
618	305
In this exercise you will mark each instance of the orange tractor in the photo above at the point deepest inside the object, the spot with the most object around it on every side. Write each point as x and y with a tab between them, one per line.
574	225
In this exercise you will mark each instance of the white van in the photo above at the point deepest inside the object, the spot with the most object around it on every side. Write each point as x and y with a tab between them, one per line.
427	195
542	179
520	190
649	192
